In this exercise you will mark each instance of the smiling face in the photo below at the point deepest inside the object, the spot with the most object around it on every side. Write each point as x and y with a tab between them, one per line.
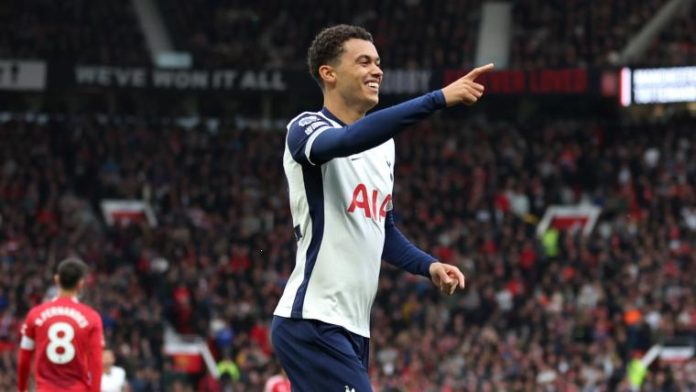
356	76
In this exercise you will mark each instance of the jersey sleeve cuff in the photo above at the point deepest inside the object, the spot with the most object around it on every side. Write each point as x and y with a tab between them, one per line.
439	98
27	343
425	267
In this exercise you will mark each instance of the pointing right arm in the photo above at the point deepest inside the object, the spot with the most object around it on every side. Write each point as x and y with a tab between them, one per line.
314	141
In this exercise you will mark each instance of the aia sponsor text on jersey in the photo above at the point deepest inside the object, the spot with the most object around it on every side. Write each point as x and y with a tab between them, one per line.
370	203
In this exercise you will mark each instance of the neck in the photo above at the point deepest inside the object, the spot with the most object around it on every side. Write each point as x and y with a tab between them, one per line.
342	110
67	293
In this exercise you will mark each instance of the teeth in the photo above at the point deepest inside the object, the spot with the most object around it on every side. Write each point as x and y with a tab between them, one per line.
373	85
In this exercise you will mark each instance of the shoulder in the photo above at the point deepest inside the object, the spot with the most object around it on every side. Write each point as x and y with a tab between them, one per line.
307	123
302	130
35	310
92	315
303	119
29	323
29	319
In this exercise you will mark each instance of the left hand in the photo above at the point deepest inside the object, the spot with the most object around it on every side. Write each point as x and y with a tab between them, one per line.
465	89
446	277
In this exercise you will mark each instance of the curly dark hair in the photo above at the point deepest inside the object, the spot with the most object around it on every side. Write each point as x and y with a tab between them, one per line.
328	46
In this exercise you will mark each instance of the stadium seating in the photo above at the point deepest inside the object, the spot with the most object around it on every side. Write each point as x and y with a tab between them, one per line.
217	260
575	33
267	34
79	31
676	45
409	34
550	313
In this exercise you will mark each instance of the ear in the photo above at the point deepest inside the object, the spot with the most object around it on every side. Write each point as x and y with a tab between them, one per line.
81	284
56	279
327	74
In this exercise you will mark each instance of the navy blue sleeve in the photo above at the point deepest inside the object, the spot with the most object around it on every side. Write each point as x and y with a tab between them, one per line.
400	252
301	134
311	139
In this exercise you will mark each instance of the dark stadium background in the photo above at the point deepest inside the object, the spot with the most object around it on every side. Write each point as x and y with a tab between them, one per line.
145	136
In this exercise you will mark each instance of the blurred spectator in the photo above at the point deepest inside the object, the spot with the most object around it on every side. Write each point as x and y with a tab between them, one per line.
533	317
114	377
418	34
575	33
277	383
676	44
76	31
275	33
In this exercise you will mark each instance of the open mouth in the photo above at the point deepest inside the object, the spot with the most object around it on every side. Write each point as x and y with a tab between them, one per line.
374	86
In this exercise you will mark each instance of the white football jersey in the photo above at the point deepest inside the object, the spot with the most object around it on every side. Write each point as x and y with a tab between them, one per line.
338	211
114	381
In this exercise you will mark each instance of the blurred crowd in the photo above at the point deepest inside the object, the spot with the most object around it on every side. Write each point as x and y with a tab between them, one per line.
676	44
565	312
74	31
576	33
553	314
408	34
271	33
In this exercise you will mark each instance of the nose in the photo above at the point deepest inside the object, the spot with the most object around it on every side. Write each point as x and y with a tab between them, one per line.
377	72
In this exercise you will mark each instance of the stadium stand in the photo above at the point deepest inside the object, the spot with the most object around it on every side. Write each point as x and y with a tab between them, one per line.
575	33
73	30
240	34
675	45
268	34
536	314
545	33
562	312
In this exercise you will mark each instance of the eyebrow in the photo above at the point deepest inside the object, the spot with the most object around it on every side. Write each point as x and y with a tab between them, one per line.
367	57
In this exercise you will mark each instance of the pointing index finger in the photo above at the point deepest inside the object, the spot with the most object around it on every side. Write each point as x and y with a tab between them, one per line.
476	72
461	279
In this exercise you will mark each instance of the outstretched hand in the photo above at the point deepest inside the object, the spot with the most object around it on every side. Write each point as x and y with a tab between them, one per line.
446	277
465	89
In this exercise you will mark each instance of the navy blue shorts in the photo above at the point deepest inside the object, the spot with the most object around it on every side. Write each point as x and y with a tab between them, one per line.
321	357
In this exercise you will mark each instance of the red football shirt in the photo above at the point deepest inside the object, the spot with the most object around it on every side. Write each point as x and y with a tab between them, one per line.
277	383
67	339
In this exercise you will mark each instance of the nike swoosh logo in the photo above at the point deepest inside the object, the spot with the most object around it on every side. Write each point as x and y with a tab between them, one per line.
355	158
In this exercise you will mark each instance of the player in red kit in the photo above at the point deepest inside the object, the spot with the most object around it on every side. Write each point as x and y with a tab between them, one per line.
278	383
67	337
